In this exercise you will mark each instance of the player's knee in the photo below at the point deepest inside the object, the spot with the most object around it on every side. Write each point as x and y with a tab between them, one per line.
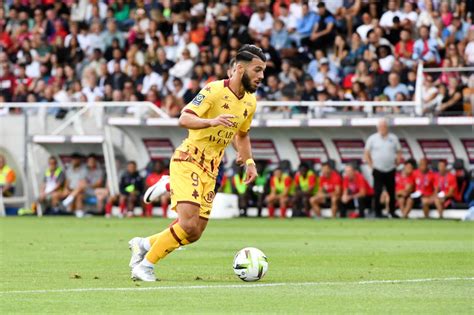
193	231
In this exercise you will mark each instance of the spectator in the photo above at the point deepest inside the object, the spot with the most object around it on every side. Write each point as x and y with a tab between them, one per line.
404	48
425	193
151	79
7	178
323	32
304	24
112	33
383	153
452	102
288	20
329	191
305	188
367	26
446	187
386	21
192	91
280	184
272	91
426	48
95	191
75	186
280	38
356	192
159	170
182	69
261	23
117	58
395	87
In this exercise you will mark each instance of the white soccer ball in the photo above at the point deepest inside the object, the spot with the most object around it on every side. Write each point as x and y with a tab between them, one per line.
250	264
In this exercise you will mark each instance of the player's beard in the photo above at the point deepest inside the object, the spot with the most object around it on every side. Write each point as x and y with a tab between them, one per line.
247	83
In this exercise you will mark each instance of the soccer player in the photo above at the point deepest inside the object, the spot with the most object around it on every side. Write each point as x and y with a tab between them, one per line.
221	111
329	192
446	185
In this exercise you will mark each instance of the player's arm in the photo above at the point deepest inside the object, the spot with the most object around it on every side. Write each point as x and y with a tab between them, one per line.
242	141
190	120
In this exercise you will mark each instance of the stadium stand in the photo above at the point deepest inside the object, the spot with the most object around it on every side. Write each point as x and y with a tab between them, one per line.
103	76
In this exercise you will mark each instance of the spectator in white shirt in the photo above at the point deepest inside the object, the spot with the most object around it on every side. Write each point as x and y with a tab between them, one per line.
261	23
102	9
91	90
186	43
287	18
469	51
117	58
150	79
408	16
365	27
386	21
94	39
183	68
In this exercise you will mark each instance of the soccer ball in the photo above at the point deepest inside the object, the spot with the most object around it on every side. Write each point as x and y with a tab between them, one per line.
250	264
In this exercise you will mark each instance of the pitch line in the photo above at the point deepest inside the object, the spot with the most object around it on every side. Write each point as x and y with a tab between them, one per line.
241	286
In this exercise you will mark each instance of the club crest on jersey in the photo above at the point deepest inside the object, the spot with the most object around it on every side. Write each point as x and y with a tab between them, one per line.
226	106
210	196
198	99
208	88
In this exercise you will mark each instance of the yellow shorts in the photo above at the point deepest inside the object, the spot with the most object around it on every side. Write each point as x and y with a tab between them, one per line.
189	183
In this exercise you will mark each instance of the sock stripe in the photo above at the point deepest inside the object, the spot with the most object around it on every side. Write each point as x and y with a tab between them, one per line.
175	236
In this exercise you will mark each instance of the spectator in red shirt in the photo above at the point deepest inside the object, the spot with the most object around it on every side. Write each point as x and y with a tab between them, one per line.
305	188
425	189
446	186
329	191
280	184
357	192
158	171
404	48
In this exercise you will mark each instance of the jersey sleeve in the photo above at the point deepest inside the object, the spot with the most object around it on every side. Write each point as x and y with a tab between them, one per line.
312	180
202	102
288	182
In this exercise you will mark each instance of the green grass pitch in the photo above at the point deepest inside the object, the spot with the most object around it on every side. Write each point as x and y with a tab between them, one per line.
328	266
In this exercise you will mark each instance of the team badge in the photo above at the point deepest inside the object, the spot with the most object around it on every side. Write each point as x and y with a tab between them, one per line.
198	99
209	197
226	106
208	89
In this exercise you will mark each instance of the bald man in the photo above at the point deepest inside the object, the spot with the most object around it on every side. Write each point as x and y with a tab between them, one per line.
382	154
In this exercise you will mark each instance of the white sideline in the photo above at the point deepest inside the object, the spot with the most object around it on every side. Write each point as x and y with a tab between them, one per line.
241	286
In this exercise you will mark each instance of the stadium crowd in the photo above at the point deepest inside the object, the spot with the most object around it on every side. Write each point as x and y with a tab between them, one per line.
165	51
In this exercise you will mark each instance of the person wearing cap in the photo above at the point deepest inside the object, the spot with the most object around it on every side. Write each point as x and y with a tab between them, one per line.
383	153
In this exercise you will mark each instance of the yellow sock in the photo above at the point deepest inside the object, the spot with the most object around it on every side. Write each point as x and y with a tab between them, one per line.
154	238
166	242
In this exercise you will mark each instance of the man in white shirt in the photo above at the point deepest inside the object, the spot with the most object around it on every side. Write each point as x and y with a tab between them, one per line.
365	27
151	78
386	21
183	68
117	58
261	23
469	51
408	14
287	18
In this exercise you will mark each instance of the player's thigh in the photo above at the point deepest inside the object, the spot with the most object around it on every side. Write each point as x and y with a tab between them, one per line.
208	196
186	183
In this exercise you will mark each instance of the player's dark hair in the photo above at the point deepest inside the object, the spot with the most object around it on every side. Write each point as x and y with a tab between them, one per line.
248	52
132	162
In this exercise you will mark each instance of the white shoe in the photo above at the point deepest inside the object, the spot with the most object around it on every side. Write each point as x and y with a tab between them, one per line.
155	191
143	273
136	250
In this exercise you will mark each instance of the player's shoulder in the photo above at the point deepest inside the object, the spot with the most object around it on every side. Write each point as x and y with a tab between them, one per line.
214	86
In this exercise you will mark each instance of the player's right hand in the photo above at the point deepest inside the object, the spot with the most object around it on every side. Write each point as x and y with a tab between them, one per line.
222	120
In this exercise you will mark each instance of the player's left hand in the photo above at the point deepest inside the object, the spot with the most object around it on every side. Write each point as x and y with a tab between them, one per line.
251	174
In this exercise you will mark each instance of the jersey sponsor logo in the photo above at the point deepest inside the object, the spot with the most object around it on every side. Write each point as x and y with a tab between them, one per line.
248	103
209	197
198	99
